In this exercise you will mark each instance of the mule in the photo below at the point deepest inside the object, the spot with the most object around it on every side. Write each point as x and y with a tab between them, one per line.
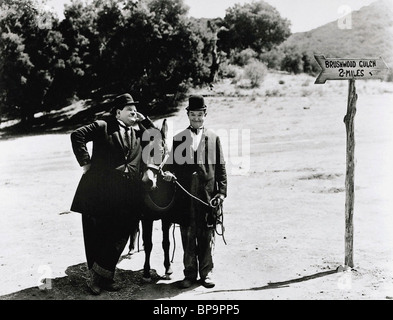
158	195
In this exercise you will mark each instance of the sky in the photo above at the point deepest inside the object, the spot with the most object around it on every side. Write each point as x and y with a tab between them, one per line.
304	15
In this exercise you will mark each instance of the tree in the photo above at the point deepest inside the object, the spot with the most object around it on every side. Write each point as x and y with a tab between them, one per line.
153	53
149	48
255	25
172	54
209	56
15	67
84	47
28	51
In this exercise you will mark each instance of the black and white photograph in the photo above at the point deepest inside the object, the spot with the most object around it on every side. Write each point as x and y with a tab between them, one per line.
200	151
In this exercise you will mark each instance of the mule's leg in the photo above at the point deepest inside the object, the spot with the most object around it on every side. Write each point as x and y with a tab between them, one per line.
165	226
147	231
133	234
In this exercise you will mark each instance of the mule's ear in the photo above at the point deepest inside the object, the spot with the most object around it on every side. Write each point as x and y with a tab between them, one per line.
164	129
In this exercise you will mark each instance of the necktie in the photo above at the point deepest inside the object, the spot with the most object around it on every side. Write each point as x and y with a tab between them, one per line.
194	130
126	137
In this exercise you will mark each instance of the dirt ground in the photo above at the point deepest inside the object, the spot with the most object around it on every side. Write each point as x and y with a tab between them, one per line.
284	216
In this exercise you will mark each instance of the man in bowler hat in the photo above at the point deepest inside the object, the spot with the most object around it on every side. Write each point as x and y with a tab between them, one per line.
107	192
197	162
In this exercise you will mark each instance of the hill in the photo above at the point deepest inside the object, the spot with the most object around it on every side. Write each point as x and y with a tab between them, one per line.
370	35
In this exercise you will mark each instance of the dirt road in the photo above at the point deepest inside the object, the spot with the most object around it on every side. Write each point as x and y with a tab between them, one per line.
284	215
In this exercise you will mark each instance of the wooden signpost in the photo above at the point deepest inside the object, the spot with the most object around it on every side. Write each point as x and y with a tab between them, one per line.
350	69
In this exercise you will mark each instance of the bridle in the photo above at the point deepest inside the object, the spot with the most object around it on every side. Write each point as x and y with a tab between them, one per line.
158	168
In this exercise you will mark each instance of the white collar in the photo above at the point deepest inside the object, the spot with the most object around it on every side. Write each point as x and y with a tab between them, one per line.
199	130
122	124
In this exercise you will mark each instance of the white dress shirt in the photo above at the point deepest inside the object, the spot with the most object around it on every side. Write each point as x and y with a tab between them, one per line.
122	130
196	138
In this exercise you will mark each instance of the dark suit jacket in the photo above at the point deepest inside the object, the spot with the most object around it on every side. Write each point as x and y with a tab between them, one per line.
208	162
103	190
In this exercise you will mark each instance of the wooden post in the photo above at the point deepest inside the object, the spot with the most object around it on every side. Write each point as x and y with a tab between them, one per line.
350	171
350	69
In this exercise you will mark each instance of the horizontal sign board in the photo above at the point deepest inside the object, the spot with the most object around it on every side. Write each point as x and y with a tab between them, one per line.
350	68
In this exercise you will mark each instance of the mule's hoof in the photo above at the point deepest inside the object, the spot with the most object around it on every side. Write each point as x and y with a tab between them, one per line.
168	276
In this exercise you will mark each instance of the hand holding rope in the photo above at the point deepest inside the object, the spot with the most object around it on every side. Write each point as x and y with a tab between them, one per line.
215	204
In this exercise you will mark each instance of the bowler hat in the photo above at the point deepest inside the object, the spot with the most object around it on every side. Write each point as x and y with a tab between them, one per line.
123	100
196	103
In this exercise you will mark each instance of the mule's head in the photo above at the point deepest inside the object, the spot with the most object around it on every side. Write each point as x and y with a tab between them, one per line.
154	154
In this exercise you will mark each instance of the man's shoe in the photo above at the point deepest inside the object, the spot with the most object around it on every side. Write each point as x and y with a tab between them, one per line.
186	283
94	283
207	282
109	285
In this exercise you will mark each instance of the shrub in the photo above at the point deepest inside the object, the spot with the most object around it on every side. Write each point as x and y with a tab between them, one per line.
305	92
292	62
273	93
255	71
227	70
243	57
272	58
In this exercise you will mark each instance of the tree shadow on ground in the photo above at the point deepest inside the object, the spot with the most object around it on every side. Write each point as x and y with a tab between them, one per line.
69	118
73	287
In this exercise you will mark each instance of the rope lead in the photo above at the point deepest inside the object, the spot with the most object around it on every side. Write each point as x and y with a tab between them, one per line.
220	212
219	218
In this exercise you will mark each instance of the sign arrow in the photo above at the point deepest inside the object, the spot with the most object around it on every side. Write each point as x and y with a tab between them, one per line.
350	68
